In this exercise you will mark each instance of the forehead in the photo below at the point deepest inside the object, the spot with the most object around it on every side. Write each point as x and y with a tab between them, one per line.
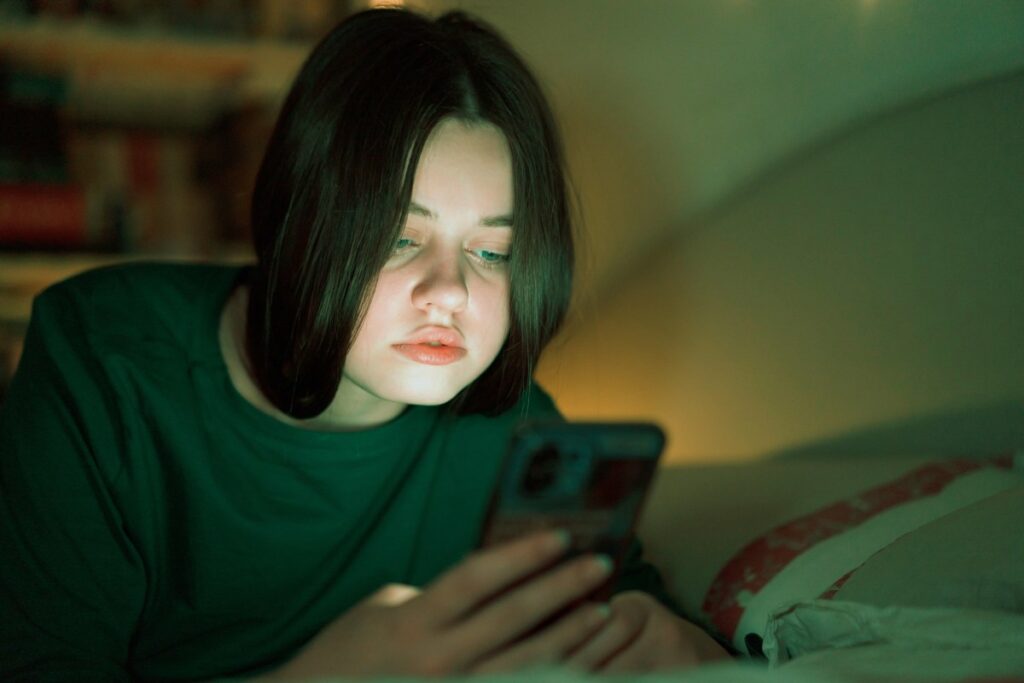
464	167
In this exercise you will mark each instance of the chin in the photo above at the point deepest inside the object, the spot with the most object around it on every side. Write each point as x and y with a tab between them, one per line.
426	393
430	400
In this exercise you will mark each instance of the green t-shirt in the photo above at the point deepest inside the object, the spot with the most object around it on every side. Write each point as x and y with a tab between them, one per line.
155	525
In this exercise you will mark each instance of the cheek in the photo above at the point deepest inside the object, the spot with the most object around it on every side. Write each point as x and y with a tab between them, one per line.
379	312
494	308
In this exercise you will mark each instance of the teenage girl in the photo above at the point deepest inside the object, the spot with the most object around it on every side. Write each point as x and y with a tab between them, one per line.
280	470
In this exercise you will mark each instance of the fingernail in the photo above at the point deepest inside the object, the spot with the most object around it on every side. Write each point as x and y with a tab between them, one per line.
601	566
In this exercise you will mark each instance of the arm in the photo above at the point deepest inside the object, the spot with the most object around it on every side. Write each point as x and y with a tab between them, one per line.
71	583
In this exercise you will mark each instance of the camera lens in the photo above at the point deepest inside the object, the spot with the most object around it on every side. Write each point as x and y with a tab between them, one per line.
542	471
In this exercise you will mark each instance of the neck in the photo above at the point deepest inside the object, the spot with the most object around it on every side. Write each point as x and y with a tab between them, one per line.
350	409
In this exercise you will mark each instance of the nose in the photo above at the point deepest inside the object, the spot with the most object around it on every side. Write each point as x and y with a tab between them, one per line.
442	284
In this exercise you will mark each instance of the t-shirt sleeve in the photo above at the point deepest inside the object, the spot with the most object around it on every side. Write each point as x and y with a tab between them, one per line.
71	582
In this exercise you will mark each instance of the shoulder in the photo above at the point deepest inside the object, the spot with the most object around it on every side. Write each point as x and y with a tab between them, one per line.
136	285
135	300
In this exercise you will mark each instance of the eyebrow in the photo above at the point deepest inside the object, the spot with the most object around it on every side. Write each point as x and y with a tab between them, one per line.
504	221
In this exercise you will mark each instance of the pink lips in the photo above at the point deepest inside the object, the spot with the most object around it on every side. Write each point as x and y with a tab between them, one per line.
433	346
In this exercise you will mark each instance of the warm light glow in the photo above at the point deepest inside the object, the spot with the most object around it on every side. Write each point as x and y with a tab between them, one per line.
376	4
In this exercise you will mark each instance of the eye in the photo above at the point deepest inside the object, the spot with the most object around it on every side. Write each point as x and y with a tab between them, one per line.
404	244
491	258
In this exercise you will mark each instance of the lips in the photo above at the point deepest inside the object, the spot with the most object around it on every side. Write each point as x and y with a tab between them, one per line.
444	336
433	346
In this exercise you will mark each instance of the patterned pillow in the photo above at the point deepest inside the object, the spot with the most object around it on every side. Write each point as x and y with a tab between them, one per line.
812	556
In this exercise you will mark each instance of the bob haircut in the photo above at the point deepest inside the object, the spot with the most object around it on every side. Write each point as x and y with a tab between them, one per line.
335	183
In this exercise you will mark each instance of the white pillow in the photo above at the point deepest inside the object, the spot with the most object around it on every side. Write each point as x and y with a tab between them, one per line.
816	555
973	558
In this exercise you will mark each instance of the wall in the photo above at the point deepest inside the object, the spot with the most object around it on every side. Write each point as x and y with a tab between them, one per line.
868	295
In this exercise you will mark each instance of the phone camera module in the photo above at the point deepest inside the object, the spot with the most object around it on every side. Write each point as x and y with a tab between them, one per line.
542	471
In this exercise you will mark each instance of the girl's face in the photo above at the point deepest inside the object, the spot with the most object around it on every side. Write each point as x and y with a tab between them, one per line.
440	311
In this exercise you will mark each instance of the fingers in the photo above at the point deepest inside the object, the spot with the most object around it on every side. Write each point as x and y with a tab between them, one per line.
511	615
552	645
487	572
625	625
631	660
672	644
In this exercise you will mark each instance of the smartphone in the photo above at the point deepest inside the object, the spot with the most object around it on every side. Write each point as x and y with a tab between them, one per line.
589	478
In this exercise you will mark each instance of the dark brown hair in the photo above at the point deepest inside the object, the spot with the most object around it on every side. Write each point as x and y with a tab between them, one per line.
335	184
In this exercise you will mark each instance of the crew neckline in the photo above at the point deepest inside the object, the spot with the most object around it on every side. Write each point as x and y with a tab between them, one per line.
232	406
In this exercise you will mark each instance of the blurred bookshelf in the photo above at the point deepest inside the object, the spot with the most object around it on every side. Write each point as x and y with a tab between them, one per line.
133	129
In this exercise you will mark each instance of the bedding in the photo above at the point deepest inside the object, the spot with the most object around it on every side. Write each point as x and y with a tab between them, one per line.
972	558
854	641
850	569
814	555
698	517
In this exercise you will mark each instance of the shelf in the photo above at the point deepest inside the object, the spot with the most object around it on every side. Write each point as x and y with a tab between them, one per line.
142	104
135	75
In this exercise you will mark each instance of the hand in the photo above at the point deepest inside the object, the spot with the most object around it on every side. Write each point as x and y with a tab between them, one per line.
467	621
643	635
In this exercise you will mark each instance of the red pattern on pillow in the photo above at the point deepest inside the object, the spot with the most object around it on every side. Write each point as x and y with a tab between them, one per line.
761	560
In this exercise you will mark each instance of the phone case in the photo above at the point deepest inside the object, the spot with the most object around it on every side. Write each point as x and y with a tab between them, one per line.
589	478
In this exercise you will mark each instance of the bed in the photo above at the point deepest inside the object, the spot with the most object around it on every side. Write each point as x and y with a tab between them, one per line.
852	569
